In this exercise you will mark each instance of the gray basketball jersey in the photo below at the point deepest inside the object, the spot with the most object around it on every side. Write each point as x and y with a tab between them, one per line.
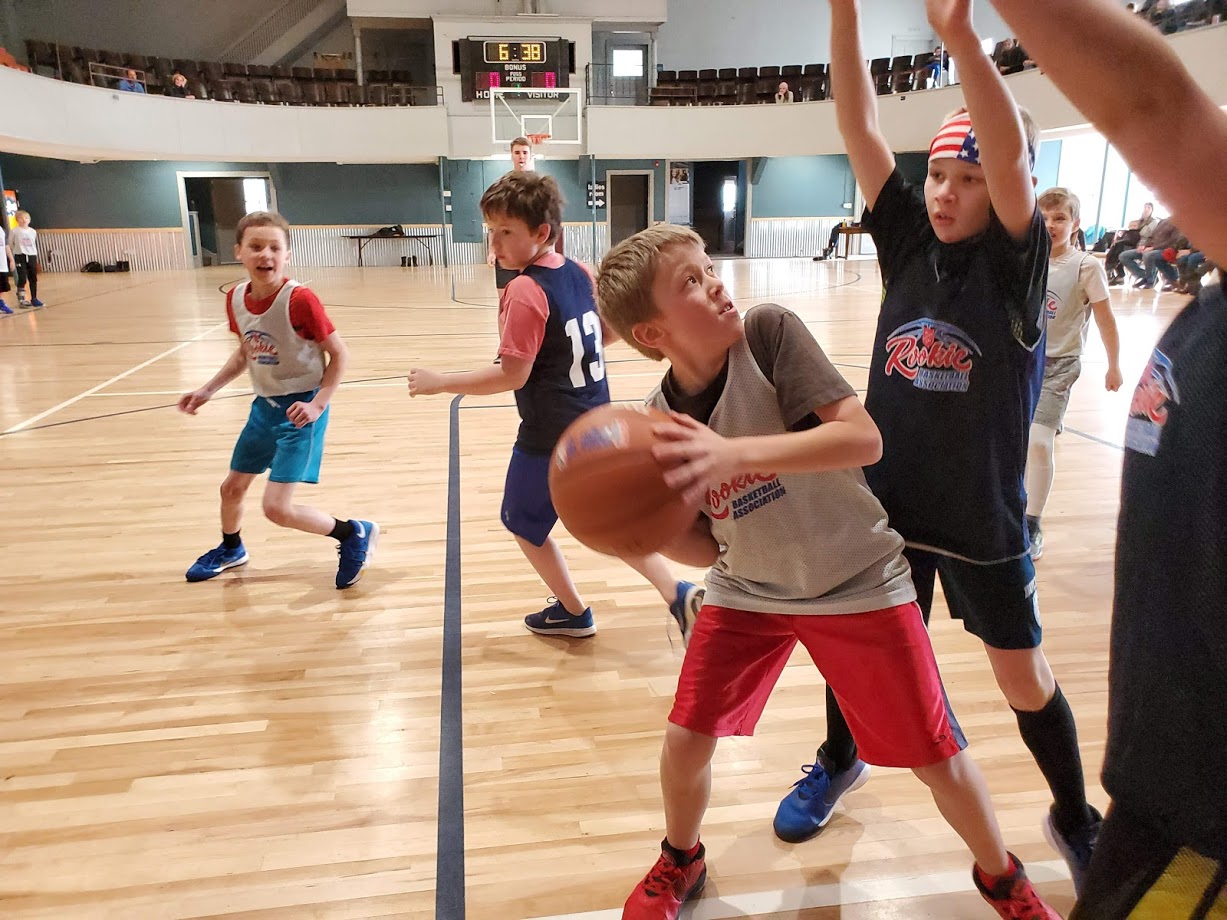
796	543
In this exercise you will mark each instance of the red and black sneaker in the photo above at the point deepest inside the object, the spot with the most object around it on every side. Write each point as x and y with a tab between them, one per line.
1012	895
675	879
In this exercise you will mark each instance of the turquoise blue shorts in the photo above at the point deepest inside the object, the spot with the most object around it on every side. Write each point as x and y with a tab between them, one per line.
269	440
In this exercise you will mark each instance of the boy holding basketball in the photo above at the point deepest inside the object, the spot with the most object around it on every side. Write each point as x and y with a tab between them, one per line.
767	443
1162	854
284	336
953	382
552	356
1077	290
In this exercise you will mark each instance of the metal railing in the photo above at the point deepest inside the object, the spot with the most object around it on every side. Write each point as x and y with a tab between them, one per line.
603	88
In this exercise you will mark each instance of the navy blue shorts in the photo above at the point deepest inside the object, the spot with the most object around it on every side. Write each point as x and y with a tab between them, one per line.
997	603
528	511
269	439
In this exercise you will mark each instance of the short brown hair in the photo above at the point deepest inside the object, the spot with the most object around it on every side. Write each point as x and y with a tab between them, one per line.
1061	198
261	219
527	196
624	283
520	142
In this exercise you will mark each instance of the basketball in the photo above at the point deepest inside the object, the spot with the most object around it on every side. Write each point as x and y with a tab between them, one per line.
608	489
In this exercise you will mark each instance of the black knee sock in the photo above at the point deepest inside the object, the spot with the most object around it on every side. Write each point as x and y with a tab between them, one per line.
839	748
231	540
342	531
1052	738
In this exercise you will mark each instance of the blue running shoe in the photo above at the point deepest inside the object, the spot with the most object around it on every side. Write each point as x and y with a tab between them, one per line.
686	606
555	621
808	807
216	561
1076	848
356	551
37	303
5	308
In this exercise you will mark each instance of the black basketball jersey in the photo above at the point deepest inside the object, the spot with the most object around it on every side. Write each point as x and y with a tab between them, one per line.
568	375
1167	702
958	360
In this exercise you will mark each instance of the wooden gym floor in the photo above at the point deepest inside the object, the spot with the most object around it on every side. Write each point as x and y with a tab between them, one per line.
264	746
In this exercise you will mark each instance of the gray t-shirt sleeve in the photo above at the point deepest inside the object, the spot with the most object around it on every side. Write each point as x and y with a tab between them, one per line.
1093	279
793	362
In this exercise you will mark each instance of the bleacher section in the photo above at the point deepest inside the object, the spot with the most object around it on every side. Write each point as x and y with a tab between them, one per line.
808	82
231	82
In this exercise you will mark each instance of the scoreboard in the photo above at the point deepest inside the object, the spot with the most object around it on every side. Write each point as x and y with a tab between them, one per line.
510	63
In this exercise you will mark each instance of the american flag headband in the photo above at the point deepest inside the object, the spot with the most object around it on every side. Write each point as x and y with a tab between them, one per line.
956	139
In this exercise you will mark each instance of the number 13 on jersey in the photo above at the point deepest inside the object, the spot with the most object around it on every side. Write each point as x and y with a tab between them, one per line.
596	367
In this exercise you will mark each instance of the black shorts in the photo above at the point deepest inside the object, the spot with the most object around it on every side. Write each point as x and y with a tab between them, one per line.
5	287
997	603
1137	874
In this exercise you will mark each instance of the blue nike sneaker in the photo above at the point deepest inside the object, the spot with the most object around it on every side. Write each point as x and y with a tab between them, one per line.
5	308
808	807
555	621
216	561
356	551
686	606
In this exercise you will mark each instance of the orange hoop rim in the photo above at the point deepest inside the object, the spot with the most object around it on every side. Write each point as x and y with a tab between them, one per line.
537	139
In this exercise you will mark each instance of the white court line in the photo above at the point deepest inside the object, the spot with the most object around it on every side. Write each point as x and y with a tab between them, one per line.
106	383
835	894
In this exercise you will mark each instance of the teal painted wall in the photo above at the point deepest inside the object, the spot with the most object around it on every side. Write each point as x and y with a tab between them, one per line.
122	194
803	187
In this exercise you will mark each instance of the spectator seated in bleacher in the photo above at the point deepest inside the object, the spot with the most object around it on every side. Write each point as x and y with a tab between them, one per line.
130	84
1149	261
1137	232
1012	58
783	94
178	87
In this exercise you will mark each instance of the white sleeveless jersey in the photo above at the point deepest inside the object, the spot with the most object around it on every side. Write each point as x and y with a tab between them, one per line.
279	360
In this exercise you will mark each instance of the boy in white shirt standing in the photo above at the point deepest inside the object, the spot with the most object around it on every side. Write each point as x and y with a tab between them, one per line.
1077	289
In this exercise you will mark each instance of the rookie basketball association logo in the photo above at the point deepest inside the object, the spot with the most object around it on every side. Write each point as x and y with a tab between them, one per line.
260	347
1051	305
1153	399
744	495
933	355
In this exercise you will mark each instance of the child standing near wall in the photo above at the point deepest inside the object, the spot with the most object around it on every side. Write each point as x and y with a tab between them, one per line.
24	245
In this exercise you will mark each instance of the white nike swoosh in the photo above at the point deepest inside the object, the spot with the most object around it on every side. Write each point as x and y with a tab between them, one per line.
556	622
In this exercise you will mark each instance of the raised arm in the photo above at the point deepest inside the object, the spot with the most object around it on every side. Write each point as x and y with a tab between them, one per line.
998	126
856	104
1086	45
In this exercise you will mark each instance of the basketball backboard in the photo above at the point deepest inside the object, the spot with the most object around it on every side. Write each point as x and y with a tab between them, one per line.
556	113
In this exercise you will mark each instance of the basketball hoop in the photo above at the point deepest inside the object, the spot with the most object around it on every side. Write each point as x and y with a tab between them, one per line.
537	139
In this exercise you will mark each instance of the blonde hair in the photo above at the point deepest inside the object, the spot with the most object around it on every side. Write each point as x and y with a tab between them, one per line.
1058	197
261	219
624	282
22	212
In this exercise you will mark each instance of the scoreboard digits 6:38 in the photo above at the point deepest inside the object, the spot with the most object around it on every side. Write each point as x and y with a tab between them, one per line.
510	63
519	52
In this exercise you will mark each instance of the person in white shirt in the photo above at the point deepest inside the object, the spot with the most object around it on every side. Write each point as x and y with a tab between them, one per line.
24	242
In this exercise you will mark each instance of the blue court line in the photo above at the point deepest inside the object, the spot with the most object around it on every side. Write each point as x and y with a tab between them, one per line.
449	865
1091	437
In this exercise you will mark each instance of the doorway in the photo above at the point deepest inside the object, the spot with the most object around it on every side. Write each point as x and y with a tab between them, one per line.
630	203
718	199
212	204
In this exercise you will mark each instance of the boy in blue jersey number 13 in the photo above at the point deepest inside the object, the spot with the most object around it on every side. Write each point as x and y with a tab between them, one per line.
552	356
